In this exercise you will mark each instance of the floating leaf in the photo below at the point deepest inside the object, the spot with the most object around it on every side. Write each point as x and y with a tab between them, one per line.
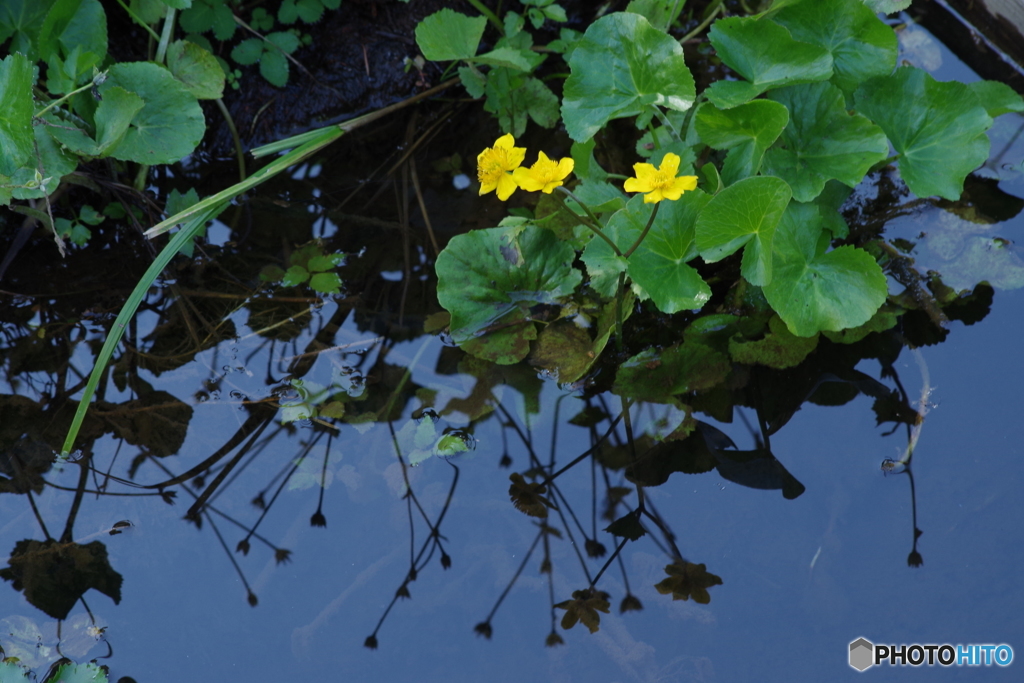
862	45
765	54
778	349
815	291
620	67
937	128
489	279
448	35
746	131
746	213
659	374
822	141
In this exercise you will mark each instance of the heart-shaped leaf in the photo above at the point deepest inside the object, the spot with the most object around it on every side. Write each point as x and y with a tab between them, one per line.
822	141
813	291
765	54
489	279
937	128
746	213
861	44
746	131
659	265
620	67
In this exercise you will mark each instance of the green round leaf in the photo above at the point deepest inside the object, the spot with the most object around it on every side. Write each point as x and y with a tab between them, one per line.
489	279
620	67
197	69
765	54
822	141
814	292
937	128
169	125
746	213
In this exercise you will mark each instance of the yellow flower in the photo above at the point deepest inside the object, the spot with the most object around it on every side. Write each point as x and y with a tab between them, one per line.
545	175
660	183
494	166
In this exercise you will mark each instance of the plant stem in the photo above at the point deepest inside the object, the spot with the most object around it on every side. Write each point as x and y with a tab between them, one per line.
138	20
590	221
647	228
703	25
59	101
491	16
165	38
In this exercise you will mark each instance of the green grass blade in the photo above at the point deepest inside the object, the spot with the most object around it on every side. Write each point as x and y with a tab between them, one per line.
189	230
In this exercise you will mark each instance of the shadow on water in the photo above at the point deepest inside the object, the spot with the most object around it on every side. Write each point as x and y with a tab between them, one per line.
276	480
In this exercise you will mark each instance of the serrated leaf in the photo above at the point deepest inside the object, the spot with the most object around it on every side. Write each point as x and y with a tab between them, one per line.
746	213
248	51
325	283
778	349
448	35
814	292
862	46
937	128
822	141
766	55
620	67
294	276
274	68
504	56
746	131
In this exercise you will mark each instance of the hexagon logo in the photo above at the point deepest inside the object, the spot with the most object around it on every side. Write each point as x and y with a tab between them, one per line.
862	654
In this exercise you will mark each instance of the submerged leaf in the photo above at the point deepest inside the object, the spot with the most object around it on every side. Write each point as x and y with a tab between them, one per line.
526	496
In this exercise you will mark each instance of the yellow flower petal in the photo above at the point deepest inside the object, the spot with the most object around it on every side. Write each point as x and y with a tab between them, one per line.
544	176
660	183
494	166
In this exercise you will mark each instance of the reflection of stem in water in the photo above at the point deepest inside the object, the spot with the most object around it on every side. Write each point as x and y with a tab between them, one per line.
241	575
484	627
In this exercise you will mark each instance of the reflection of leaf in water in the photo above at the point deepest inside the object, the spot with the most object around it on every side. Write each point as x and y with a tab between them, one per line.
54	576
527	498
22	464
688	580
157	421
311	472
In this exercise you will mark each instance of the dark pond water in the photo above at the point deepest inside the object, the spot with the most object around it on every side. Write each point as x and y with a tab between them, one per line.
802	577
